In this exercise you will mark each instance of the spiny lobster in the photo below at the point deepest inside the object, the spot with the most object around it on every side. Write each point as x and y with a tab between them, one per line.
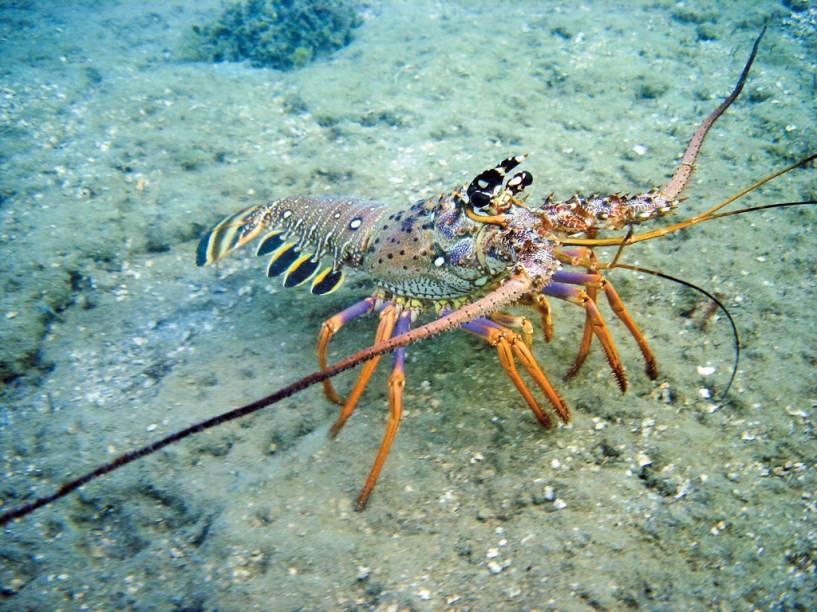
466	255
482	240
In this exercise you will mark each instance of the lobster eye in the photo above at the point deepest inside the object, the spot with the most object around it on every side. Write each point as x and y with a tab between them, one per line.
485	187
489	184
519	182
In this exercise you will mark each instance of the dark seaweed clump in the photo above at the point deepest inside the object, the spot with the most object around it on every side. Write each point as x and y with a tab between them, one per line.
282	34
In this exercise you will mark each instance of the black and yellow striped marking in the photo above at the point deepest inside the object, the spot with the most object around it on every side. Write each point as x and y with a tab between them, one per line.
224	237
281	259
270	242
301	270
327	281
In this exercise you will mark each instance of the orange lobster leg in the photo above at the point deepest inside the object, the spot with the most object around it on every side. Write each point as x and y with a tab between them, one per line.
587	258
397	381
510	346
542	305
388	317
576	257
587	339
515	322
621	312
328	329
595	322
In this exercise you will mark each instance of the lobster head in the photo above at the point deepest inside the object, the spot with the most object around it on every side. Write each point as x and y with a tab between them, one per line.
519	234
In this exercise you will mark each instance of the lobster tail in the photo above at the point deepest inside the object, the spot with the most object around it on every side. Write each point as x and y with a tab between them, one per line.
298	234
227	235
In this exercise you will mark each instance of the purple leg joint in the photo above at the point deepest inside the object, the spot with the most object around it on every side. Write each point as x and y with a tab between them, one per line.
356	310
575	278
574	252
480	326
402	326
562	292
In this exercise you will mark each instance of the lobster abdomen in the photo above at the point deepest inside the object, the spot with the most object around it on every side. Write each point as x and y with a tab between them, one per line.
299	233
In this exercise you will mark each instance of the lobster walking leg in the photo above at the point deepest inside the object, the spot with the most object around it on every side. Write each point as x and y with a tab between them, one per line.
621	312
540	303
591	281
397	381
597	324
328	329
388	316
587	333
515	322
510	346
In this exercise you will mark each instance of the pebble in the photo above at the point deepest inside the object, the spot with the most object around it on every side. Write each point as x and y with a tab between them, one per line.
798	412
363	572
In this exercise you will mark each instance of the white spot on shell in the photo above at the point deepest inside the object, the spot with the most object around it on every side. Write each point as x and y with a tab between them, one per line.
355	223
439	261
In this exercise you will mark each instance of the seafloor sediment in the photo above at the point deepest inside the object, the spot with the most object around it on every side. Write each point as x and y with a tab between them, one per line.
117	152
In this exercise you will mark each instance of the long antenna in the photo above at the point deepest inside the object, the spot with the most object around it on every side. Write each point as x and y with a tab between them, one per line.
709	215
513	289
712	297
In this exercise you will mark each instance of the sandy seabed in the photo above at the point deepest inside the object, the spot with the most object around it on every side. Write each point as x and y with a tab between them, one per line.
117	153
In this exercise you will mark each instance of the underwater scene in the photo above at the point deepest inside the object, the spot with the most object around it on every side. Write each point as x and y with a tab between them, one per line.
129	129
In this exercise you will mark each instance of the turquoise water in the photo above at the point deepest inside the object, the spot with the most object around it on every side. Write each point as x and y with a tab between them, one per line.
118	152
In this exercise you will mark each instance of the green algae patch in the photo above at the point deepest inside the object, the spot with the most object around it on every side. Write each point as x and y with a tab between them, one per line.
277	34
